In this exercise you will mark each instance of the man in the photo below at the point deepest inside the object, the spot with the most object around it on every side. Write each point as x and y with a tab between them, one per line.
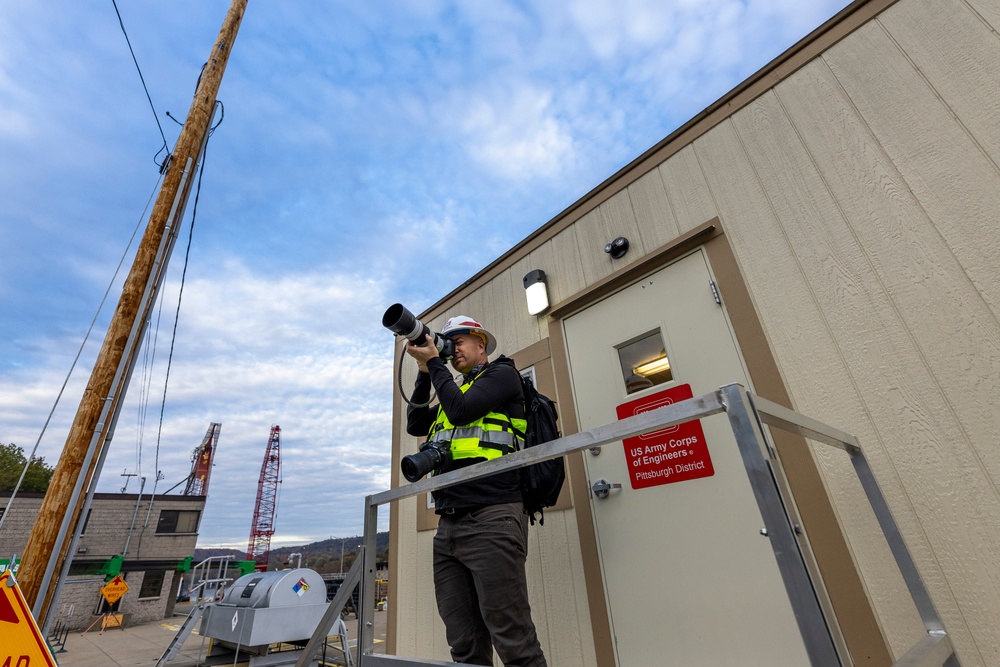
482	537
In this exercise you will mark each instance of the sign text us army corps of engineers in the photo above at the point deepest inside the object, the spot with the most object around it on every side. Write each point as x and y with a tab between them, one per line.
672	454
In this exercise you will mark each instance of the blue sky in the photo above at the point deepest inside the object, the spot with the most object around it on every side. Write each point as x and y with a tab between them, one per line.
369	153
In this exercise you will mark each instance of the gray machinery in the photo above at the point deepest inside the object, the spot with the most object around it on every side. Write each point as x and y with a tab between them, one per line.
265	608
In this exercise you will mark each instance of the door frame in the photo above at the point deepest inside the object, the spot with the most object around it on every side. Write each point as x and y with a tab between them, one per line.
855	613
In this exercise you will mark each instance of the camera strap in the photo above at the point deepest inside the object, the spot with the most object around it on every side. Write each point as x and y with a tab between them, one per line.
399	380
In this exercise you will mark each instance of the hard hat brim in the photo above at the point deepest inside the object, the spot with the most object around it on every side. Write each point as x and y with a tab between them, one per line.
466	325
491	342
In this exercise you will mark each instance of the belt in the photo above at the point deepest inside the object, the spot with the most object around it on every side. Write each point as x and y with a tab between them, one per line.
457	512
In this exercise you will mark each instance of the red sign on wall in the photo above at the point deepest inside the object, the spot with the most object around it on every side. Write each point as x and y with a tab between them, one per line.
673	454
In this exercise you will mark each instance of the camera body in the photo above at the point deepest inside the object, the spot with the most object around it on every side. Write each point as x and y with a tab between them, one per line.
401	322
433	456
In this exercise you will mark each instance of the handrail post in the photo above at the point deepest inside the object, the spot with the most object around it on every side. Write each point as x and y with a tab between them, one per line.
921	598
308	654
812	623
366	598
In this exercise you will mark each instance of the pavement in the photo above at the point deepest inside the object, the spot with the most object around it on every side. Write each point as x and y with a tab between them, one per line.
142	645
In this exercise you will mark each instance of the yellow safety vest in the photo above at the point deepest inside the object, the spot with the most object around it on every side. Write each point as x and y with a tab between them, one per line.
489	437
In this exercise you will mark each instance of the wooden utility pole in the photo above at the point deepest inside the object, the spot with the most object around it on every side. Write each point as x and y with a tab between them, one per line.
45	552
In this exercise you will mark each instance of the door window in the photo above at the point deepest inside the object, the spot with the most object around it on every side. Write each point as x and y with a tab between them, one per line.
644	362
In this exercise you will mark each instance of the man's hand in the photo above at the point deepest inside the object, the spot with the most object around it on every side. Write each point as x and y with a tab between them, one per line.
422	354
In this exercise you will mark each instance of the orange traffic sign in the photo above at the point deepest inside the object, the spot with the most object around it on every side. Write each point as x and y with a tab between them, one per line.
114	589
22	643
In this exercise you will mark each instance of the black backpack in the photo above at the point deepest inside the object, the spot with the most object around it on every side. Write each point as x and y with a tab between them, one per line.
540	482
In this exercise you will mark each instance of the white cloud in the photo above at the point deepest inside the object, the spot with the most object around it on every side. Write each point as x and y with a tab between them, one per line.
253	350
516	133
609	25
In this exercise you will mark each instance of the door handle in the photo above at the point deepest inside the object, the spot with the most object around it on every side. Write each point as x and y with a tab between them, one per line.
602	488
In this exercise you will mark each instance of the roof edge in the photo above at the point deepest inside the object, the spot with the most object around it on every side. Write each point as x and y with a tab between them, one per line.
838	27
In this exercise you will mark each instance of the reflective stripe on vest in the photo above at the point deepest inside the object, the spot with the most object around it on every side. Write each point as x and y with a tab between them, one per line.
489	437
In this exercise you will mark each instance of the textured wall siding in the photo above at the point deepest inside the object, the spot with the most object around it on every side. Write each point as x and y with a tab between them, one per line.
419	631
861	198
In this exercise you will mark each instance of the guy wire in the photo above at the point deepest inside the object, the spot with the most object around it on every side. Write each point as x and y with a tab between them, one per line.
79	352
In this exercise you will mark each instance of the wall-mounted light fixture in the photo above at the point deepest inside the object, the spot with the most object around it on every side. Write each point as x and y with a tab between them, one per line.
536	290
617	248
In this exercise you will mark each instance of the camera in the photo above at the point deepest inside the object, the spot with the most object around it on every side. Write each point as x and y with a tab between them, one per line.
401	322
433	455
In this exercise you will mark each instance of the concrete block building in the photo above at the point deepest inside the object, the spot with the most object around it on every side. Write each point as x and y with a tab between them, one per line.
151	565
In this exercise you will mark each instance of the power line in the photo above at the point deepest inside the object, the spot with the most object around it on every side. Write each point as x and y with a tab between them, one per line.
138	69
180	294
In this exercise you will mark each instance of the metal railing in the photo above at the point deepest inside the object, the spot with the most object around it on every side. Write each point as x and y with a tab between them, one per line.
747	414
210	575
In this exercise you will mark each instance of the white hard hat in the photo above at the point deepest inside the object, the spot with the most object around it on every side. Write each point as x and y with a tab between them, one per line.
460	324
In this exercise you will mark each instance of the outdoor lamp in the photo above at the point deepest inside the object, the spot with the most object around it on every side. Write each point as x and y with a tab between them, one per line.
617	248
537	291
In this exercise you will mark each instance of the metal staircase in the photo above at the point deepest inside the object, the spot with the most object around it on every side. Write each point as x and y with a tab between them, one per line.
208	575
187	627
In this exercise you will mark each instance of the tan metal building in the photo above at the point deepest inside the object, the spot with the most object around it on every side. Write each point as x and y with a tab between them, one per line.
842	204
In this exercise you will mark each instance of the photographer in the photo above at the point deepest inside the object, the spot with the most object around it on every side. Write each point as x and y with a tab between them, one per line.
482	536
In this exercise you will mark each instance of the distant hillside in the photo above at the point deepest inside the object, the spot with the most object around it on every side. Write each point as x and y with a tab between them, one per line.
323	556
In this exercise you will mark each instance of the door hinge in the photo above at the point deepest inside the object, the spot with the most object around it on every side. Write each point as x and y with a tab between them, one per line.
715	292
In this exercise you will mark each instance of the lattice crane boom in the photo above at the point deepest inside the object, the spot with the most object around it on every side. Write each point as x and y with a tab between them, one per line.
262	527
201	462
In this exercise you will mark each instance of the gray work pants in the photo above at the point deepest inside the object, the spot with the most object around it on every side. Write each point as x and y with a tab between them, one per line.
481	589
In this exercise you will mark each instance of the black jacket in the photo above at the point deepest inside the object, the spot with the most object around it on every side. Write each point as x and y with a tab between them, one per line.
497	389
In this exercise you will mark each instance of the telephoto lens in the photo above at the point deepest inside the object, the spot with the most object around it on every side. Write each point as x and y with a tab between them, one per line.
401	322
432	456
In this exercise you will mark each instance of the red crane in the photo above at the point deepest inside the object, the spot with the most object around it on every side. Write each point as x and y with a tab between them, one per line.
201	462
262	527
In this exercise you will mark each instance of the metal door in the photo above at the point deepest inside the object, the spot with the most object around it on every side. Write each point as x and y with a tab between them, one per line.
689	579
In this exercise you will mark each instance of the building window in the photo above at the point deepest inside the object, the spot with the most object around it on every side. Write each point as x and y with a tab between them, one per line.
85	567
178	521
104	608
152	584
644	362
